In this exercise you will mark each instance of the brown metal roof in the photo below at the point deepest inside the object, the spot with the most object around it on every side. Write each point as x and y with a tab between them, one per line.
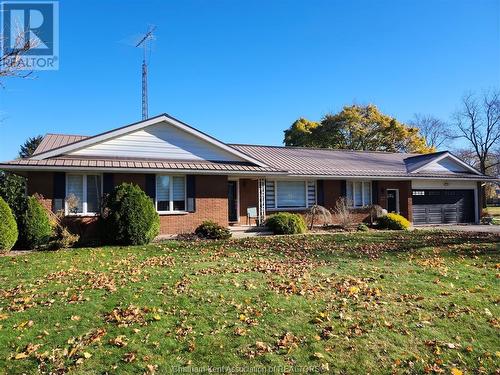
327	162
72	162
51	141
299	161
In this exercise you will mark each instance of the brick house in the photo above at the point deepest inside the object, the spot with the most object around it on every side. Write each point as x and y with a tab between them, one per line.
192	177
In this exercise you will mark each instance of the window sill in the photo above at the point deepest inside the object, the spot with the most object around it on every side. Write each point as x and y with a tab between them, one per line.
287	209
89	214
166	213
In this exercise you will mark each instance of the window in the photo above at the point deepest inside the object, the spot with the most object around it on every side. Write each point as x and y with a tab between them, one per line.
359	193
290	194
170	193
83	194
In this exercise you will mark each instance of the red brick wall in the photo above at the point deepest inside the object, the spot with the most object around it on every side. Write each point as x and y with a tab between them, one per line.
136	179
333	191
248	198
43	184
211	204
405	196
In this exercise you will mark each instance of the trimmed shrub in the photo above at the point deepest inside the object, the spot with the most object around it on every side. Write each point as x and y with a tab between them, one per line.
393	221
363	228
317	214
286	223
129	216
8	227
212	231
35	227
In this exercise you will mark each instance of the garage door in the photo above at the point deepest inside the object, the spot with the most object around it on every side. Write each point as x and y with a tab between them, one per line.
443	206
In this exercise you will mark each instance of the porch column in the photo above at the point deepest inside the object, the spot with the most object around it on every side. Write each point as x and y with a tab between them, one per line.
261	194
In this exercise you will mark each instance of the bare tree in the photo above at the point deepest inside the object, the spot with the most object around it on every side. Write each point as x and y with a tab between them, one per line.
11	64
479	123
435	131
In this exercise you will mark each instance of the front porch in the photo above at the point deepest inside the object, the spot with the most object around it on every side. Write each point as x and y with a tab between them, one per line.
251	200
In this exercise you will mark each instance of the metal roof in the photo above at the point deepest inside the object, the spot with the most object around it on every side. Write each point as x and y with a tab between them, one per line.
52	141
294	161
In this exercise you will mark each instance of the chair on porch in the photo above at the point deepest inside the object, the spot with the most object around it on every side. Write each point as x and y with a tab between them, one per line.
252	214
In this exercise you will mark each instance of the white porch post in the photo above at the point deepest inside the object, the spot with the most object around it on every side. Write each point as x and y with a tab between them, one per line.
261	210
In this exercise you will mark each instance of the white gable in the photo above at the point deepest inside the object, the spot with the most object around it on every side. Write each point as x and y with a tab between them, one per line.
158	141
444	165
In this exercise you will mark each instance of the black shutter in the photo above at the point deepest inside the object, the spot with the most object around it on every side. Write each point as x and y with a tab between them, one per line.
343	188
191	193
374	192
320	193
59	191
151	186
107	183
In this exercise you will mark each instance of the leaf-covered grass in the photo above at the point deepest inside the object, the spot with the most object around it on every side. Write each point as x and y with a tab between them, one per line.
375	302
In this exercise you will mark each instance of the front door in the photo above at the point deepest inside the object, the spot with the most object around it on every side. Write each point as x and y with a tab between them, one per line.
232	200
392	200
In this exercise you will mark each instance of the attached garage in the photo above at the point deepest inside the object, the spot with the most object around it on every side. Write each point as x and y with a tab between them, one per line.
443	206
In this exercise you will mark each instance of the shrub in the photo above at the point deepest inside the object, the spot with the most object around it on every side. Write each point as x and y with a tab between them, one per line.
35	227
129	216
343	212
286	223
363	228
320	214
212	231
393	221
8	227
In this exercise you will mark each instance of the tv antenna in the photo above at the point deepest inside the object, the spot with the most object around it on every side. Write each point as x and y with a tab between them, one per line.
145	43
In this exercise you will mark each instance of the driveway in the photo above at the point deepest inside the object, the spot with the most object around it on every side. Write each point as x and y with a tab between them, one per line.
462	228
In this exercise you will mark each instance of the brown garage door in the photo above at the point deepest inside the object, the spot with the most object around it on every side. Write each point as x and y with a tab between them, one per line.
433	206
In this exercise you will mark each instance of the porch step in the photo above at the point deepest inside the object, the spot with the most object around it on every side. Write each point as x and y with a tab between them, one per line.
241	231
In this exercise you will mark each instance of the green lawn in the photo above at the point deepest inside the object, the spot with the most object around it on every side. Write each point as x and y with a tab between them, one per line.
373	302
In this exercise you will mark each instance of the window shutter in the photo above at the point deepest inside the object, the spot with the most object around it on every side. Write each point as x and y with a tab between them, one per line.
374	192
343	188
59	191
270	197
311	193
320	192
107	183
151	186
191	193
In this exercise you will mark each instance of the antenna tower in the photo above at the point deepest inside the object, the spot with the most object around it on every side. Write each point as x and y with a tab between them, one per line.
145	43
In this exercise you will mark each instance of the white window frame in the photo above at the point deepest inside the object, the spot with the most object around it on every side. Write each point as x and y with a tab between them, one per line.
171	195
276	208
363	203
84	203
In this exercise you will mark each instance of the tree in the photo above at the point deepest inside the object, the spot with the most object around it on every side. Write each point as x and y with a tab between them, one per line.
10	60
29	147
435	131
479	123
358	128
299	134
12	186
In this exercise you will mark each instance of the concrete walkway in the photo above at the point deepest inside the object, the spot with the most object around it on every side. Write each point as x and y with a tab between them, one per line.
462	228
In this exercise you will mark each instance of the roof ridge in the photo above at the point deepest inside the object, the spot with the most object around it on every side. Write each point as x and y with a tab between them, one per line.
68	135
327	149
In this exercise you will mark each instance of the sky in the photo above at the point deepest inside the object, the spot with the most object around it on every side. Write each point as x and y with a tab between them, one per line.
243	71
